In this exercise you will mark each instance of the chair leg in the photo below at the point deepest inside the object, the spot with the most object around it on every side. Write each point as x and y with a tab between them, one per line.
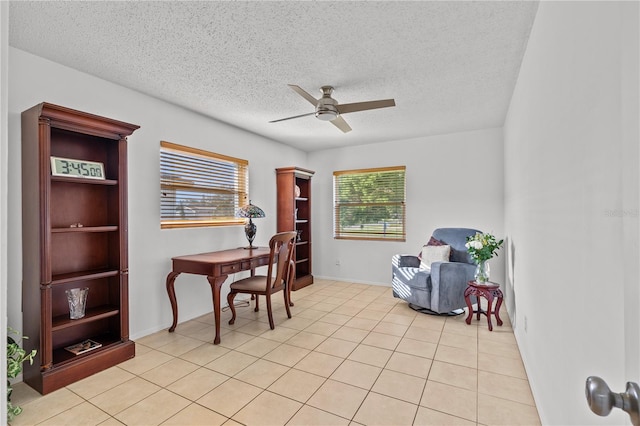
269	313
230	298
286	300
257	308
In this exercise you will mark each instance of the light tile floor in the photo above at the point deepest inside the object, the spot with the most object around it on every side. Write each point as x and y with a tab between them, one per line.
351	355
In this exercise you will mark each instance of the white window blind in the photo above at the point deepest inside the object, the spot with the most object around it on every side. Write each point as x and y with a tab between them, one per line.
200	188
370	204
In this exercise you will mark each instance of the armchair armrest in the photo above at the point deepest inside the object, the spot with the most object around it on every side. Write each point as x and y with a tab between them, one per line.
462	271
405	261
449	281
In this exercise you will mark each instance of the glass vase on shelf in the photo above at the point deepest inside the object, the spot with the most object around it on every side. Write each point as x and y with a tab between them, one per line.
481	275
77	298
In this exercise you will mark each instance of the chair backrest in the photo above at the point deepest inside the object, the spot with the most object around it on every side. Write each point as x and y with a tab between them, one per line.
282	245
456	238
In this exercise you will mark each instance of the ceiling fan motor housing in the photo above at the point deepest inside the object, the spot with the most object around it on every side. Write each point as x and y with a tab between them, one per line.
326	108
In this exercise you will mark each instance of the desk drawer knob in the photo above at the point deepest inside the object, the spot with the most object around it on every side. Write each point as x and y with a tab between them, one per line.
226	269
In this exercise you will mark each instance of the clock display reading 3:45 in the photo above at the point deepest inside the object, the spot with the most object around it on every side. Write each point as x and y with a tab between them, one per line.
76	168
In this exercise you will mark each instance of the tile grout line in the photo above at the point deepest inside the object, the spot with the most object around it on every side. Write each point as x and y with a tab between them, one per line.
387	309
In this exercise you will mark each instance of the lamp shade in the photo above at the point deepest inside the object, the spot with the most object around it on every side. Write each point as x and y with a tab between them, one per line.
250	211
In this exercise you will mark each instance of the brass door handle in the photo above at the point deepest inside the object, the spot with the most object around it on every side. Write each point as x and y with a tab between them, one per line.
601	400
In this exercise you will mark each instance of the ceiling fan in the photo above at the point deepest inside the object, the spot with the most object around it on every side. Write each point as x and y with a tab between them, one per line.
328	109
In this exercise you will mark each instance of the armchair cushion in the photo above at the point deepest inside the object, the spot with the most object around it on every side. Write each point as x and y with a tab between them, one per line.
456	238
432	254
432	242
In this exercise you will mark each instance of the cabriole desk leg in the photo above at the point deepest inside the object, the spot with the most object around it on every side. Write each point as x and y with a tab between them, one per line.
216	284
171	279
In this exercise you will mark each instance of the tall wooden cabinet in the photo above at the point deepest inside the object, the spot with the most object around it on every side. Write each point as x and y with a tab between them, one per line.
74	235
294	214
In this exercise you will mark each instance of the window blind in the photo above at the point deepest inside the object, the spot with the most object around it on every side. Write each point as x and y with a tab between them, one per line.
370	204
200	188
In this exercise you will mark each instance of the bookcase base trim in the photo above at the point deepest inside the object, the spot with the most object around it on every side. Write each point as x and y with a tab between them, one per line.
68	373
302	282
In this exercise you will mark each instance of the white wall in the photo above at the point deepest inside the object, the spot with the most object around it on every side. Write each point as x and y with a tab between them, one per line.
34	80
453	180
571	205
4	72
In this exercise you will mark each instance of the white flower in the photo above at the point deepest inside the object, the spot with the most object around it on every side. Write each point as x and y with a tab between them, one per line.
476	244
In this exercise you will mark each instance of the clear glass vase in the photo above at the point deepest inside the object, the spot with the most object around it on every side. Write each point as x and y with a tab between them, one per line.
482	272
77	298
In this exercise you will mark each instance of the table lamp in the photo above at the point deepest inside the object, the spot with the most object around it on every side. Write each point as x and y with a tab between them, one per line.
252	212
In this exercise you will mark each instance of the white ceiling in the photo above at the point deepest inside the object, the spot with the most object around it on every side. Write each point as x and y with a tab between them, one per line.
450	66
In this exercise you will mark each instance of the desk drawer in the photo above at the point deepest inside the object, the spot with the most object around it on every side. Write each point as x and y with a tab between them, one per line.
254	263
230	269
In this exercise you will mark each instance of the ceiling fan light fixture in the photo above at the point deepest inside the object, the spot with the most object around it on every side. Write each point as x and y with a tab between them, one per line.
326	107
326	114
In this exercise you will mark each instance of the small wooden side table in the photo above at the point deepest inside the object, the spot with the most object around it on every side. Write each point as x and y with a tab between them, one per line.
489	291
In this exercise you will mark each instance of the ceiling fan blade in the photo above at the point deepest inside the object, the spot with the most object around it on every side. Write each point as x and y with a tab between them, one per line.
341	124
300	91
291	118
362	106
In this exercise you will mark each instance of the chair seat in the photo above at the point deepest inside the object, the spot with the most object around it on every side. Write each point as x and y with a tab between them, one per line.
278	278
254	284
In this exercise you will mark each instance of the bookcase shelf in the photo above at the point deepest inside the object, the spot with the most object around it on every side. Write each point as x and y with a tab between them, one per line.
81	181
86	229
64	360
83	276
91	314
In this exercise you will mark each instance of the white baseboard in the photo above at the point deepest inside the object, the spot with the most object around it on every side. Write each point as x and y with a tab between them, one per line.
352	281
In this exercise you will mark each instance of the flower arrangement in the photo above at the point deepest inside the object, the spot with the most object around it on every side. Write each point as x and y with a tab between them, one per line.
482	247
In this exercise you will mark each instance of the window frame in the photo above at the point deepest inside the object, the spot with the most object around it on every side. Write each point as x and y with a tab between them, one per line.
241	187
340	234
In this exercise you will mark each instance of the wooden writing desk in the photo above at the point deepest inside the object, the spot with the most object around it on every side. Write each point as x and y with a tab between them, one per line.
216	266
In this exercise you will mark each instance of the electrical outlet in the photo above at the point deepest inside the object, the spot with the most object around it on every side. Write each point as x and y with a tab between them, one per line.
525	323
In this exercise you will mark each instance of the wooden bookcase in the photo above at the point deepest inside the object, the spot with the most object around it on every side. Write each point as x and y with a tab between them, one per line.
294	214
74	234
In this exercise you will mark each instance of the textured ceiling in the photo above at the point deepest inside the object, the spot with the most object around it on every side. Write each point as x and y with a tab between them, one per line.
450	66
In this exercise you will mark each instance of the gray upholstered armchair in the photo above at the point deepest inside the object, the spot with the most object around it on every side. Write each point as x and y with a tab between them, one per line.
440	287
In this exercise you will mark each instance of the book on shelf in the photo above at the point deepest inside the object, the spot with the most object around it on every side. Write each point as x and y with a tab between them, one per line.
82	347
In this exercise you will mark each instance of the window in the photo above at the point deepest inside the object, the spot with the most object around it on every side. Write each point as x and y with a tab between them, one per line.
370	204
200	188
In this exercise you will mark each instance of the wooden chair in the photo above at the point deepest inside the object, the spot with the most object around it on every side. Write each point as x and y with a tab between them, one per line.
280	260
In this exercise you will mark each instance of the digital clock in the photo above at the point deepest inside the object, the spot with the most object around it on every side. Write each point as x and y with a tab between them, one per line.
76	168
